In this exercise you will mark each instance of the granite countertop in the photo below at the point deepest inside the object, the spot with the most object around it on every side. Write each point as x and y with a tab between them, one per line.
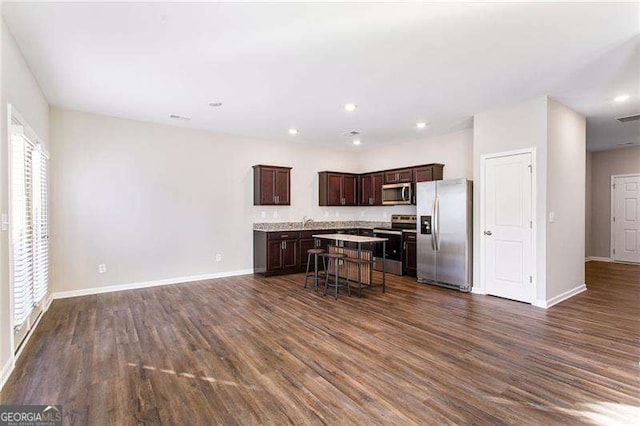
317	226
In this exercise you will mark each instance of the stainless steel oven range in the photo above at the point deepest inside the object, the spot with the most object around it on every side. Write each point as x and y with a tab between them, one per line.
393	262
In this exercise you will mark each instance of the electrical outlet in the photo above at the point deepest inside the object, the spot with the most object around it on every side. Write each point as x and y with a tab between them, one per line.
218	257
337	214
263	214
326	214
102	268
362	213
552	217
275	214
5	222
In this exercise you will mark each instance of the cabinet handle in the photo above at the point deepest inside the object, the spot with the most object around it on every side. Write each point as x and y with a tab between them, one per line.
285	245
284	236
405	246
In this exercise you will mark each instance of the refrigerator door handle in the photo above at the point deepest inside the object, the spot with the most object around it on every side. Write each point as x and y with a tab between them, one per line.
433	232
436	224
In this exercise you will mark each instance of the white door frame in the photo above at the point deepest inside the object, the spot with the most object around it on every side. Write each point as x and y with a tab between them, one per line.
613	210
534	203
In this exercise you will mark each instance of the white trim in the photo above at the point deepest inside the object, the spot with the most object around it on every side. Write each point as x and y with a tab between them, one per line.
597	259
145	284
612	240
534	208
6	371
561	297
477	290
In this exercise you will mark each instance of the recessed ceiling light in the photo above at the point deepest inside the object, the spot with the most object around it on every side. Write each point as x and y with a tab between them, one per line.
350	107
621	98
421	124
293	131
179	117
215	104
357	141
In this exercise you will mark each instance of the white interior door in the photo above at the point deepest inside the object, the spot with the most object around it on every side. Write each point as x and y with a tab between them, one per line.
507	232
625	220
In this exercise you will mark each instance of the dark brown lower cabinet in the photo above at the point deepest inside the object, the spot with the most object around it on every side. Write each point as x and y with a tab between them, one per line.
410	254
279	253
276	252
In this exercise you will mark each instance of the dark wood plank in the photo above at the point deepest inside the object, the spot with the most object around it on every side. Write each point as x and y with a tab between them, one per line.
255	350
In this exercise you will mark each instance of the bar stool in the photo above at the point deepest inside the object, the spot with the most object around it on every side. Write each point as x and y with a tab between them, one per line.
335	258
315	253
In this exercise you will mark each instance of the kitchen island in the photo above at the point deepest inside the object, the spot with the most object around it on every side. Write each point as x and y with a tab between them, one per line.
359	265
281	248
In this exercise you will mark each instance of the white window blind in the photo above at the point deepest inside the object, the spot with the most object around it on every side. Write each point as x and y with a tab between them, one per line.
22	226
41	226
29	228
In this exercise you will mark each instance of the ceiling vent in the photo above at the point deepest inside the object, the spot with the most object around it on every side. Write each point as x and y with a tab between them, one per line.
629	118
179	117
352	133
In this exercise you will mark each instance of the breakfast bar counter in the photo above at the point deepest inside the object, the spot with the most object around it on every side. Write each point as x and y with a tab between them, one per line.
361	261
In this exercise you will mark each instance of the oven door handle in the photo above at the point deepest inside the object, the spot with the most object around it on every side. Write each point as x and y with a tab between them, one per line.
376	231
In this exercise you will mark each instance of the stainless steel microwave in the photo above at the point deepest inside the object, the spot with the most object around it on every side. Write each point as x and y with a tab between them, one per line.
396	193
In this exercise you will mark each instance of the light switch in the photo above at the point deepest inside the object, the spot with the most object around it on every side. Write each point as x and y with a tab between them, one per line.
552	217
5	222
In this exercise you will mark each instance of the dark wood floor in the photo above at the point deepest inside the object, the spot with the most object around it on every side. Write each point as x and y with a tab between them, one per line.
254	350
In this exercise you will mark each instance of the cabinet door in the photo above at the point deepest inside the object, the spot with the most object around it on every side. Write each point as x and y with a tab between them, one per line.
334	189
405	175
376	188
267	186
411	259
290	253
391	176
274	255
350	190
366	190
424	174
282	190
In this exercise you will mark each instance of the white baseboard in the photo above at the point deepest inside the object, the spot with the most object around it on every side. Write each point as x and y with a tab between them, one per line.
145	284
476	290
598	259
561	297
540	303
7	368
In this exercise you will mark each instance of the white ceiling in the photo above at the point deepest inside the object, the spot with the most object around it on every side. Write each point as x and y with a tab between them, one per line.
276	66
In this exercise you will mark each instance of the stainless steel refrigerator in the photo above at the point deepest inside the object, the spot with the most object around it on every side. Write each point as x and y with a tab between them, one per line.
444	225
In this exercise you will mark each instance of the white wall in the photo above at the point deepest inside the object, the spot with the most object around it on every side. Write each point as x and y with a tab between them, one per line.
156	202
454	150
566	177
505	129
604	164
20	89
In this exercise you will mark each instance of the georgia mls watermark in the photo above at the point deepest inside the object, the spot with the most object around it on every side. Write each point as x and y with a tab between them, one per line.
30	415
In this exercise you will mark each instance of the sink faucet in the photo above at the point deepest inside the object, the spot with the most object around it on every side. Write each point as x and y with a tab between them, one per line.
306	221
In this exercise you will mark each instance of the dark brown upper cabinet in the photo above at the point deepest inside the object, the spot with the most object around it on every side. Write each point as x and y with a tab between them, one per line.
371	189
427	173
338	189
271	185
398	176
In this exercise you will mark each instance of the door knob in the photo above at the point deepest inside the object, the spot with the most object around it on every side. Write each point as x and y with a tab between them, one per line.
488	233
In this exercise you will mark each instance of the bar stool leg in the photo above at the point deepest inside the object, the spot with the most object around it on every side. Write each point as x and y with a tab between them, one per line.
326	278
307	273
315	272
337	279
